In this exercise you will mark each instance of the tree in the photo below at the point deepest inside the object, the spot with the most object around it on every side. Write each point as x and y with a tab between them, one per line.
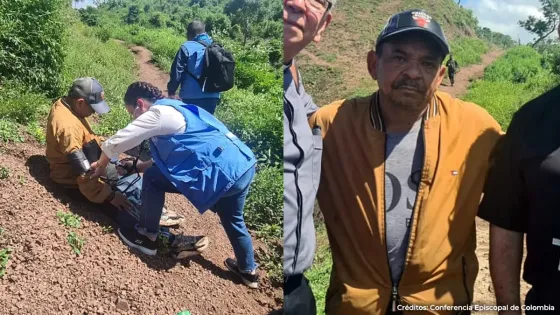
542	27
248	13
133	15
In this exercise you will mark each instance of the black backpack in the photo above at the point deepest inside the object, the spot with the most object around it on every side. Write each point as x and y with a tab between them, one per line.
217	69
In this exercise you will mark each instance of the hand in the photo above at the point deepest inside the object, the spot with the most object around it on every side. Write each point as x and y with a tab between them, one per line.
121	202
97	170
124	167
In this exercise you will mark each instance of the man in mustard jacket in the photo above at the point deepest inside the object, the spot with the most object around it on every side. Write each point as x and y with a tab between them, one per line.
402	176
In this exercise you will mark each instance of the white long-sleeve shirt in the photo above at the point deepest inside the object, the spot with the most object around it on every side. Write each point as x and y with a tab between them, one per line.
159	120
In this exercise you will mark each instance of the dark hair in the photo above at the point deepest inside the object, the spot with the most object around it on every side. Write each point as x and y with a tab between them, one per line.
195	28
143	90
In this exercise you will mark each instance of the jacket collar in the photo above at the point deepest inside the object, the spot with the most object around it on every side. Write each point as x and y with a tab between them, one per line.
377	119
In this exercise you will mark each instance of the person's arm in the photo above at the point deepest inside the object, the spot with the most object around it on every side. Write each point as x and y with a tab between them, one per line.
506	253
504	206
69	141
158	121
178	68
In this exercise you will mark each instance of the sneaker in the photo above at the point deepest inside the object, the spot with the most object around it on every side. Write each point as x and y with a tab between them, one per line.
185	246
170	218
136	240
249	279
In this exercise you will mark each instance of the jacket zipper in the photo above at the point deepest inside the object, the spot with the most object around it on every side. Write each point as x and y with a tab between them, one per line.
298	190
395	291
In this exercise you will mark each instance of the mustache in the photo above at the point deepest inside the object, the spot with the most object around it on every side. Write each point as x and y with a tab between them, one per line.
416	85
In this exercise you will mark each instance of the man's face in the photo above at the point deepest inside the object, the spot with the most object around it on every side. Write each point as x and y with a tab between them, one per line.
138	109
408	71
302	24
83	109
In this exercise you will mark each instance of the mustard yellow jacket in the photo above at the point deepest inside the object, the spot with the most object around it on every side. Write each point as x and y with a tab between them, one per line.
66	133
441	266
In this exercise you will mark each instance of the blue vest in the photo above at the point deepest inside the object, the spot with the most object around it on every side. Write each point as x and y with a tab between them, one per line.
190	88
203	162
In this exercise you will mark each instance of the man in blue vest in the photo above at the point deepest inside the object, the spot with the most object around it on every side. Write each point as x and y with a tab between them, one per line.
193	154
187	68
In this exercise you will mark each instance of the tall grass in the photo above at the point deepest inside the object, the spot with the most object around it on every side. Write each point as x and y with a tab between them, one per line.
511	81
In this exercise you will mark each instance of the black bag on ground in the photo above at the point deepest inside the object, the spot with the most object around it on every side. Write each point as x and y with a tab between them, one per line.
217	69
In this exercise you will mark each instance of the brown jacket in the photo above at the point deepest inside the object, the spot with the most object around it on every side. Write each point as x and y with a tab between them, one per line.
441	265
65	134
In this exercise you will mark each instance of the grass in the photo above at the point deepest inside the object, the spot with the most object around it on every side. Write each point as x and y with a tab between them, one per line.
68	219
319	274
4	258
468	51
76	242
4	172
9	132
109	62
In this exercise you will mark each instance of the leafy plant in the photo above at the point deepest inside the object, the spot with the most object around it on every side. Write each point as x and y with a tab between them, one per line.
76	242
68	219
4	172
4	258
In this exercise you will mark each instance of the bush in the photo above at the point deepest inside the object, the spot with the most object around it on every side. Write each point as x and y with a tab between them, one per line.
31	43
263	210
467	51
257	120
19	105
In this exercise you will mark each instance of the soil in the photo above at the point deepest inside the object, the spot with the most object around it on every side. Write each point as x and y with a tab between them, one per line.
44	276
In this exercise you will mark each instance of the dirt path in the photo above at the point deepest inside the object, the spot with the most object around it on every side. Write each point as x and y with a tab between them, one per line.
43	276
465	75
148	70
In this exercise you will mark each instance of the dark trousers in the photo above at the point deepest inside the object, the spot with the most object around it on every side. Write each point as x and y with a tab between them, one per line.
208	104
541	298
298	297
452	77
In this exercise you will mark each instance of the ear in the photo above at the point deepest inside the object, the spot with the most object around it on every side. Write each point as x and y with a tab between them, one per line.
140	103
440	75
372	61
322	28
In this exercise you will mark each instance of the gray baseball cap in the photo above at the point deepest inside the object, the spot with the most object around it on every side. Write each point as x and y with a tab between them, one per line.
91	90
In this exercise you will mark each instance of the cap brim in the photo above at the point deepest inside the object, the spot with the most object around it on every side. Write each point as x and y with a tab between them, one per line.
101	107
441	43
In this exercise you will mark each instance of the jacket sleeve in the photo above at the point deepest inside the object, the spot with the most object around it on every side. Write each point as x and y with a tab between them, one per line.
70	140
178	68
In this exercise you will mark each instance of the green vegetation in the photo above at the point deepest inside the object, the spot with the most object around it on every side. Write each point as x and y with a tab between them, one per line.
69	219
319	275
468	50
4	258
76	242
84	44
4	172
511	81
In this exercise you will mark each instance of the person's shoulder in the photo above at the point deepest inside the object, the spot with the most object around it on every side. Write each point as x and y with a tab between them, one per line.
465	111
342	109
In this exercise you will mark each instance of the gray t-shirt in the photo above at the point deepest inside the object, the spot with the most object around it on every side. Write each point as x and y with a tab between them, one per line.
403	167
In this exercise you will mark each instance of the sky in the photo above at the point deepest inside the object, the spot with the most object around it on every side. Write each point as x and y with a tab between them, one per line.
83	4
502	15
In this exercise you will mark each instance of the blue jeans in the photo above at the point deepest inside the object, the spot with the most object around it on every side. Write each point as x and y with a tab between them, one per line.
229	208
208	104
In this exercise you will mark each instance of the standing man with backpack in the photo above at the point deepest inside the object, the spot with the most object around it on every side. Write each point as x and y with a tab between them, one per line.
452	66
202	68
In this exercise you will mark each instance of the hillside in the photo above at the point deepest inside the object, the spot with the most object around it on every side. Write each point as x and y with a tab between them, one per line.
336	67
